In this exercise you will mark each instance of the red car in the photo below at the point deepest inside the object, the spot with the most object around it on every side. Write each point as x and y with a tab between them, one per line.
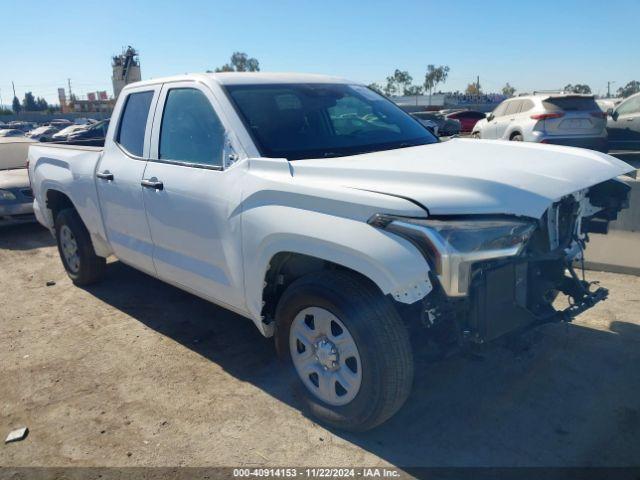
467	118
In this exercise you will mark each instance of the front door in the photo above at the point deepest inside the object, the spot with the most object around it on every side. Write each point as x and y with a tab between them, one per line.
118	180
189	197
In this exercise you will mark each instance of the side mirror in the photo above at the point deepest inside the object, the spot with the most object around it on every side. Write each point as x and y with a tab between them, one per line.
612	113
490	117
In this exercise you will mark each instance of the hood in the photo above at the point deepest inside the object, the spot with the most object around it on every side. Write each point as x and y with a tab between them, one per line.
462	177
17	178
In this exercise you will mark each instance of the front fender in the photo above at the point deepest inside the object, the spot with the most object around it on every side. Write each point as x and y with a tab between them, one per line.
391	262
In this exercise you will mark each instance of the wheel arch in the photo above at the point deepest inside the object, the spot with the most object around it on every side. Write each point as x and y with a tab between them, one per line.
406	279
514	132
56	200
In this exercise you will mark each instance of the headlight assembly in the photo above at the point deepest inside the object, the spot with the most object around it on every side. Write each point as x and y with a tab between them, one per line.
6	195
451	246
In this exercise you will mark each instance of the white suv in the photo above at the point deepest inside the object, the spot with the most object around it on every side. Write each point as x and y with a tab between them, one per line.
561	119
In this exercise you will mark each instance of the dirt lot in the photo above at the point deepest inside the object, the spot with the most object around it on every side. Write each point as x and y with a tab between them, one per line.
135	372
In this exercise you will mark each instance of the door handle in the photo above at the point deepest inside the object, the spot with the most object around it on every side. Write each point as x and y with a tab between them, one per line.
152	183
106	175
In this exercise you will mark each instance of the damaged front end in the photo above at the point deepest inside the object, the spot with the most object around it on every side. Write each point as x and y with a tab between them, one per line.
503	284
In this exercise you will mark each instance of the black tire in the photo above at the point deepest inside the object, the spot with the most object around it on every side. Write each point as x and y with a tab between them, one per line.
516	138
91	267
380	336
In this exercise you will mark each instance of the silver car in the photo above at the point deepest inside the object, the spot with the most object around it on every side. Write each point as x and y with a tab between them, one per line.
560	119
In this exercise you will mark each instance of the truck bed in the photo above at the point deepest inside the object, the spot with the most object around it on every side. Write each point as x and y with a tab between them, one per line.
69	169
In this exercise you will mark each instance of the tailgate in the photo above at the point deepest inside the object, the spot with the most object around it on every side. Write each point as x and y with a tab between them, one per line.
580	115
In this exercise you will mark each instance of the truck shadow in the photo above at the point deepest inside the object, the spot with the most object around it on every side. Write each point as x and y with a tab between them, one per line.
25	236
568	395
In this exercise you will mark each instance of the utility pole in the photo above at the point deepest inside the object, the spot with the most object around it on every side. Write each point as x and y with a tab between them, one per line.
609	88
14	96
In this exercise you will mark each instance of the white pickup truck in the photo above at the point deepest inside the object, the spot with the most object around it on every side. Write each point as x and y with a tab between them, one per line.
334	221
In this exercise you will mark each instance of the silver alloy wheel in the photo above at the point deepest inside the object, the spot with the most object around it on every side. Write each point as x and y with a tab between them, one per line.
325	356
69	248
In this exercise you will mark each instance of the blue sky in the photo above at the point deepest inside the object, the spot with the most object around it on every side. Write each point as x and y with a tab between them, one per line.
532	45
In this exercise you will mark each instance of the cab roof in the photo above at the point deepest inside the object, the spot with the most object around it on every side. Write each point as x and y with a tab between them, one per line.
245	78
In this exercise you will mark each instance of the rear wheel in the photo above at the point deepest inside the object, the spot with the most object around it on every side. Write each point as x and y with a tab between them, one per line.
79	258
348	347
516	138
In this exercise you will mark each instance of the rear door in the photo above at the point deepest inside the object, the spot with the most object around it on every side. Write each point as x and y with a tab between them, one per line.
118	177
624	125
190	196
580	115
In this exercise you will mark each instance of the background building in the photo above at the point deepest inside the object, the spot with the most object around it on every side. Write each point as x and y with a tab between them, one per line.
126	69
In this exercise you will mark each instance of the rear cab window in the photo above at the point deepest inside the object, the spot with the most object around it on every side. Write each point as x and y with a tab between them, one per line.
133	122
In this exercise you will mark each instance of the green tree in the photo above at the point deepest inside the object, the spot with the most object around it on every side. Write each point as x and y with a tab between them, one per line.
577	88
41	104
29	102
240	62
629	89
434	76
16	107
398	83
413	90
508	90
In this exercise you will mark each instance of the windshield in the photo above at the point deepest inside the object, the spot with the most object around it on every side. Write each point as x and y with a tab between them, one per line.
298	121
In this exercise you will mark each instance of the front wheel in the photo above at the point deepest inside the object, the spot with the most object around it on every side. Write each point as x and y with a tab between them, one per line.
517	138
79	258
348	347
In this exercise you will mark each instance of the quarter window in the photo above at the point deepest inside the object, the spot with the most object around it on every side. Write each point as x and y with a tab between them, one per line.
190	131
133	122
526	106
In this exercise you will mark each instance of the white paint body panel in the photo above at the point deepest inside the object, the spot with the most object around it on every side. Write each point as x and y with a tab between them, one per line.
214	232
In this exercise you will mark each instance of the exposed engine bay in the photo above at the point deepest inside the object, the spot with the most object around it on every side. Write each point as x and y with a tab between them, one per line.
513	293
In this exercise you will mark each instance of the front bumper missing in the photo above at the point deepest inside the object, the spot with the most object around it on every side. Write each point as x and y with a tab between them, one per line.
517	295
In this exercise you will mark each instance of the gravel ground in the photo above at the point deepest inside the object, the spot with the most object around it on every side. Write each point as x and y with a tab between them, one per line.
133	372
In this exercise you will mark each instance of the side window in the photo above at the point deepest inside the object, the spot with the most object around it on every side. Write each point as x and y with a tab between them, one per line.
630	106
500	109
513	108
526	106
133	122
190	130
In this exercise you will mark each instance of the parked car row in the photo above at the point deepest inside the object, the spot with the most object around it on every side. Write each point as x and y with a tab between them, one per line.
564	119
85	131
